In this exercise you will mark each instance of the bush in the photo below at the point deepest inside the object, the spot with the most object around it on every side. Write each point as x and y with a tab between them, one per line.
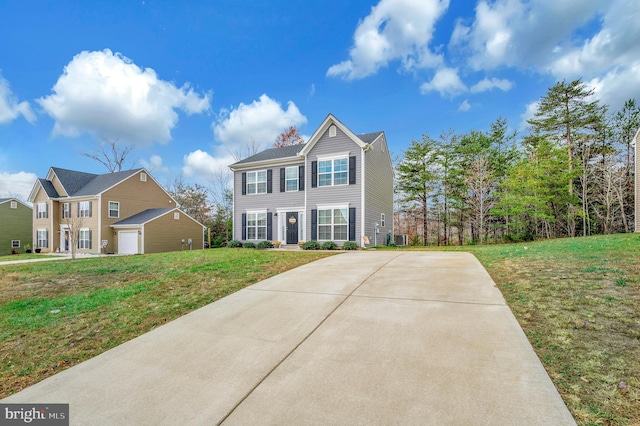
234	244
310	245
350	245
249	244
329	245
265	245
217	242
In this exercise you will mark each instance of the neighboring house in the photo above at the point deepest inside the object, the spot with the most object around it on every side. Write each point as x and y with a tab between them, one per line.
336	187
15	225
636	142
124	212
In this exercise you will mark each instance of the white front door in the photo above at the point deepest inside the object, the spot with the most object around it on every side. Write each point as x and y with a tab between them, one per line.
127	242
64	238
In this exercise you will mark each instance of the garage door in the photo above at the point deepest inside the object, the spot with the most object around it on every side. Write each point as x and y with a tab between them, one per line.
128	242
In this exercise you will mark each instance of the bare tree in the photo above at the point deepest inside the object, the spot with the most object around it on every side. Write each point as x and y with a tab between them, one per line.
110	154
75	224
250	148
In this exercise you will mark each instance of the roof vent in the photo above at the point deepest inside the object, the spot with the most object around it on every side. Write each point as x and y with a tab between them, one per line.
332	131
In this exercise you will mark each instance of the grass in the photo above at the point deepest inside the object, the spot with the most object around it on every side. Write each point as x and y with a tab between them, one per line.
57	314
22	256
578	301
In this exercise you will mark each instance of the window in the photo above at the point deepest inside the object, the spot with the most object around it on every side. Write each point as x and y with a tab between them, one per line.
176	216
257	182
333	172
42	210
84	238
257	226
66	210
84	209
333	224
143	177
42	238
15	243
332	131
291	178
382	219
14	204
114	209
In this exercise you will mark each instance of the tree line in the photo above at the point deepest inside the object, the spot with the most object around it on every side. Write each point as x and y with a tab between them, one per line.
572	175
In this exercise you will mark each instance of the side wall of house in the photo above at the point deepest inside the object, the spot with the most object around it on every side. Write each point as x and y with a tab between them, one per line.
350	195
15	224
45	223
637	183
166	234
134	196
269	202
378	193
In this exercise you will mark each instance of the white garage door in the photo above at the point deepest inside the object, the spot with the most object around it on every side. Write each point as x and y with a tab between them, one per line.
128	242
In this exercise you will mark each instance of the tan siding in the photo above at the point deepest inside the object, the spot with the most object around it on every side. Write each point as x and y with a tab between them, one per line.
378	191
58	186
15	224
166	233
40	197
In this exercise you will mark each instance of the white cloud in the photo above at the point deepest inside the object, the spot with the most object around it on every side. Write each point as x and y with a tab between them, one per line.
205	166
10	108
617	86
17	184
446	82
528	114
488	84
464	106
394	30
261	121
154	164
107	94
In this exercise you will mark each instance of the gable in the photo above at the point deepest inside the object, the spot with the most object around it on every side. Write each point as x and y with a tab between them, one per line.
323	131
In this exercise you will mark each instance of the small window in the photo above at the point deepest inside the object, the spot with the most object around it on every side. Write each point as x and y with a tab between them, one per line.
42	211
66	210
176	216
143	177
382	219
14	204
332	131
15	243
114	209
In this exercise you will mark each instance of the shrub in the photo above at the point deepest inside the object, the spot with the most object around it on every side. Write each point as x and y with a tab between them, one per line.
217	242
249	244
265	245
350	245
329	245
234	244
310	245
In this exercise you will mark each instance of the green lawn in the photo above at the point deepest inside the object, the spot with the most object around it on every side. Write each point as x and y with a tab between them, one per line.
22	256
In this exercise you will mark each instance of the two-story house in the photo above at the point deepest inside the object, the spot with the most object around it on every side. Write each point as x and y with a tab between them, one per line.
125	212
15	225
336	187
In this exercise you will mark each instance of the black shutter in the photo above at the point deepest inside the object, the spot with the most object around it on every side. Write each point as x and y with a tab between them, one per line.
314	174
352	170
46	210
282	171
244	226
301	178
90	202
244	184
314	224
352	223
78	208
269	226
90	233
269	181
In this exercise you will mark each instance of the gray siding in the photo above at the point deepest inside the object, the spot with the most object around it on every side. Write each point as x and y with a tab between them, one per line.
378	191
347	194
270	202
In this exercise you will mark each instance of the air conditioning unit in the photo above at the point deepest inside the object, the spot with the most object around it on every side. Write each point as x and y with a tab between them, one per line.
401	239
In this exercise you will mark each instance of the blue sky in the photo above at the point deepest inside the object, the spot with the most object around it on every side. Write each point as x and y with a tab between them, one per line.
190	83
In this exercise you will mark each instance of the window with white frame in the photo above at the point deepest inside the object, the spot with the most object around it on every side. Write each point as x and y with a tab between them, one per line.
84	209
42	238
143	177
15	243
332	131
42	211
291	179
333	224
176	216
257	182
257	226
66	210
84	238
333	172
382	219
14	204
114	209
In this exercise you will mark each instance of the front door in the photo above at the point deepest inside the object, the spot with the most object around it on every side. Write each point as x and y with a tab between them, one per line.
66	240
292	227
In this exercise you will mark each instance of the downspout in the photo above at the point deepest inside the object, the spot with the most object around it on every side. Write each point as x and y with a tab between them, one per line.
307	214
362	204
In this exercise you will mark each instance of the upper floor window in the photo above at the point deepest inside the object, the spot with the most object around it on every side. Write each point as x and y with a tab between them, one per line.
382	220
257	182
114	209
176	216
84	209
66	210
14	204
42	210
332	131
143	177
291	178
333	172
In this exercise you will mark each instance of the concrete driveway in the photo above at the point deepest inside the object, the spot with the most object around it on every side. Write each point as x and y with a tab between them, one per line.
359	338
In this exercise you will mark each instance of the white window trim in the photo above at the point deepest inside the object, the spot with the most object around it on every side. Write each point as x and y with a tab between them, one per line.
257	212
176	216
109	209
13	244
41	213
46	238
297	179
257	182
143	177
80	239
383	220
14	204
332	131
67	210
332	207
333	172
